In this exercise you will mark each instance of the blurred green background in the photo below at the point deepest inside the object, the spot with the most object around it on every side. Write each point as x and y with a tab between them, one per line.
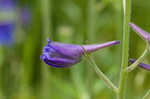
24	76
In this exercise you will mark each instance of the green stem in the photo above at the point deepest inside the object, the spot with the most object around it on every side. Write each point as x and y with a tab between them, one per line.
146	96
101	75
1	74
125	48
91	20
46	25
135	64
46	15
90	30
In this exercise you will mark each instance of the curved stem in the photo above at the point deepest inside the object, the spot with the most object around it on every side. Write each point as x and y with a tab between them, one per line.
146	95
135	64
125	48
101	75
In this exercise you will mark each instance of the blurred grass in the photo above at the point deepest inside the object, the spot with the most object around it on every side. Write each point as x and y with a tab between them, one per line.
24	76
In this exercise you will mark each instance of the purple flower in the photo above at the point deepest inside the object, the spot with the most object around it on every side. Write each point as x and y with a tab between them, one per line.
142	65
64	55
145	35
6	33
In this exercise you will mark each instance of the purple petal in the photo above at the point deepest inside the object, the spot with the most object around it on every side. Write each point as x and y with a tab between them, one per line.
145	35
142	65
67	50
62	62
95	47
58	62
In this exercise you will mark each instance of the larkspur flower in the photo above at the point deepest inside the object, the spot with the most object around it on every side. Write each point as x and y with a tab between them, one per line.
145	35
60	55
141	65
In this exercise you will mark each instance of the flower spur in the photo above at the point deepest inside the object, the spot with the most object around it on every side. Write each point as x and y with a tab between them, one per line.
141	65
145	35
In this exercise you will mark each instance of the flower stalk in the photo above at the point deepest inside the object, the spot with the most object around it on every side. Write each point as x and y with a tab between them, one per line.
125	48
141	65
146	96
101	75
146	36
135	64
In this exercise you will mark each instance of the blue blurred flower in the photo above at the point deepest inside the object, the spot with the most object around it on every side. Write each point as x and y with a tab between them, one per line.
6	33
64	55
145	35
7	4
141	65
7	21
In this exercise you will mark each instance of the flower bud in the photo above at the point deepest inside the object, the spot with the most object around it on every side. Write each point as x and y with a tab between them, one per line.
64	55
